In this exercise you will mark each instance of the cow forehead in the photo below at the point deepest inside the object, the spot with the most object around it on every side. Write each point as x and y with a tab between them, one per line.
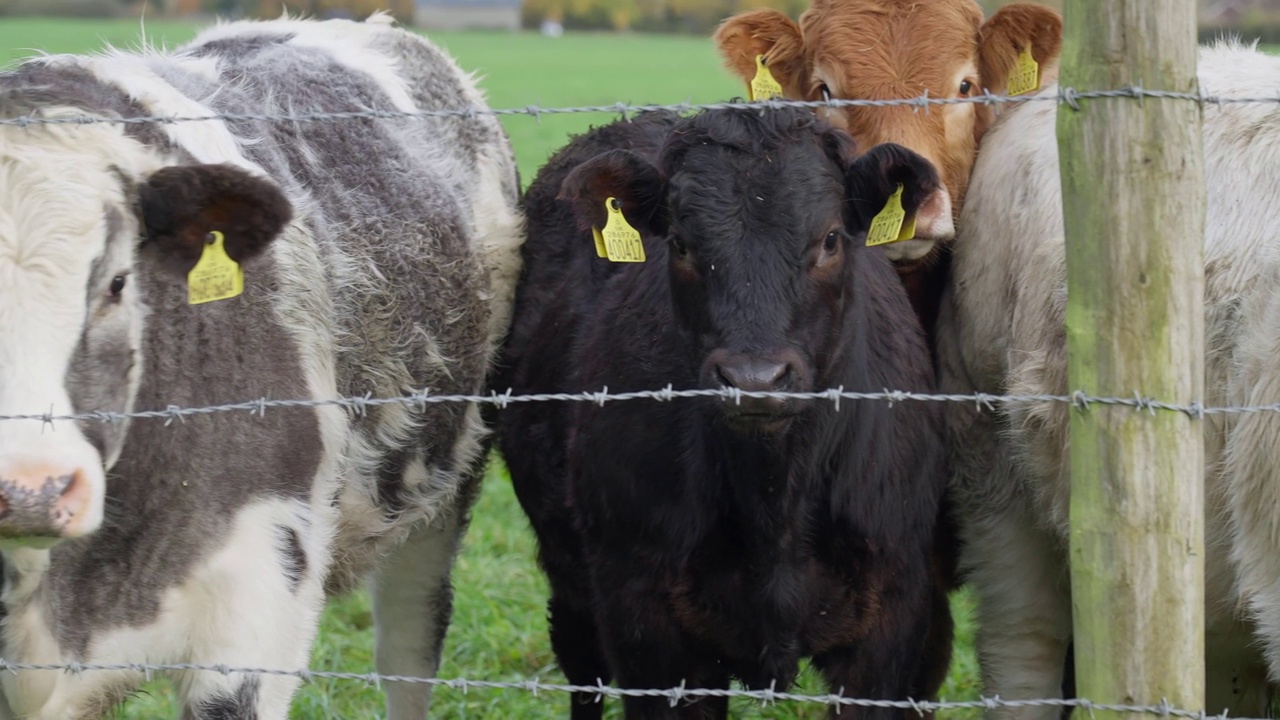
56	207
878	49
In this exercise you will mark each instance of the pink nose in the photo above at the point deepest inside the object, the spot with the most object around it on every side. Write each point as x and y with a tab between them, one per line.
42	500
933	218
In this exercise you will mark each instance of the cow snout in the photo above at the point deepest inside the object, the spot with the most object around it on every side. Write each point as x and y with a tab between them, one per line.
40	500
934	225
758	373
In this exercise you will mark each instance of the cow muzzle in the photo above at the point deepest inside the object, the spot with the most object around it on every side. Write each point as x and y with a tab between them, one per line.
776	372
49	500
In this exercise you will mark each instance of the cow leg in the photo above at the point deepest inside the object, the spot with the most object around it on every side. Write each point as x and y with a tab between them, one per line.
643	644
577	648
1024	609
412	606
888	663
255	603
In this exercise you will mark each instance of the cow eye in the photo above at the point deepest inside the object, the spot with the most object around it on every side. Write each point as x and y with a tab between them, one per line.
965	87
678	245
117	285
832	241
824	92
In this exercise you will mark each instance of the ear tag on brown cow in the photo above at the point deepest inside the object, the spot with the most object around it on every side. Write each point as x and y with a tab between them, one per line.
216	276
763	86
621	242
1026	74
891	225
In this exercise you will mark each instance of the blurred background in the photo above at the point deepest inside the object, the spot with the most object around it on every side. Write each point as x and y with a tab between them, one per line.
1250	18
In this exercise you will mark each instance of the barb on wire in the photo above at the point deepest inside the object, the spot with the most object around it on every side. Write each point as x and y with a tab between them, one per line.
600	690
360	404
1064	95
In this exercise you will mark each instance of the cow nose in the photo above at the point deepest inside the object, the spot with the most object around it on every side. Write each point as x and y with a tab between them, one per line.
43	500
752	375
782	371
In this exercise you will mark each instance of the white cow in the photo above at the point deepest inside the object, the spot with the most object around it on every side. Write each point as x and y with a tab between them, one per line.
379	256
1002	331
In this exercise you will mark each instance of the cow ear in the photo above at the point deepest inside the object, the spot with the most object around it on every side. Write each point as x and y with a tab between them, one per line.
872	178
619	174
770	33
180	205
1013	29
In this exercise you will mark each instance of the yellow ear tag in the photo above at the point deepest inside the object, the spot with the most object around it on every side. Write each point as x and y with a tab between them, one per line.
621	241
1026	74
601	250
888	226
763	86
215	276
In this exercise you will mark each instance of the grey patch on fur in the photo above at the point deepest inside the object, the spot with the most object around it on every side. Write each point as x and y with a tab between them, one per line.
293	559
383	203
238	45
97	378
40	83
240	706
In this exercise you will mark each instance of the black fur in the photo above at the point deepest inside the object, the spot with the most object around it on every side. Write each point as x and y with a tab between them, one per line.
696	541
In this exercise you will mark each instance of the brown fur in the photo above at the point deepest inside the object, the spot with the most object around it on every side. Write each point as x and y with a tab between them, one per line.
888	49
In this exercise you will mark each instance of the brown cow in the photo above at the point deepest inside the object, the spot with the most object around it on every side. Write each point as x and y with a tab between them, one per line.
887	49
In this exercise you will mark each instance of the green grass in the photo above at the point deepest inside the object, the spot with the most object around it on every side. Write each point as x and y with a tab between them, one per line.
499	627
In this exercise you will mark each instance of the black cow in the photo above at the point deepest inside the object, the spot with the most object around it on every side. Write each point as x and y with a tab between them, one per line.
700	540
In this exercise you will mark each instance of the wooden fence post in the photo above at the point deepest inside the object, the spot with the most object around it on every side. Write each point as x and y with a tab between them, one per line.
1133	201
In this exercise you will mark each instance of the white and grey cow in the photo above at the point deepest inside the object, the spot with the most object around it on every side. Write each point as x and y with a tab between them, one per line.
379	256
1003	332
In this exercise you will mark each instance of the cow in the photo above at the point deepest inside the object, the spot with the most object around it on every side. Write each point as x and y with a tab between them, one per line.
1002	330
377	256
700	540
899	49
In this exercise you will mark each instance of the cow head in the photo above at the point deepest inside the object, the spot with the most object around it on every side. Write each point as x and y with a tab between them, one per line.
85	212
892	49
761	218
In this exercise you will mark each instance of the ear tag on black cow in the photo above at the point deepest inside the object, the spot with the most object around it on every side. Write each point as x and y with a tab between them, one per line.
620	241
216	276
890	225
763	86
1025	77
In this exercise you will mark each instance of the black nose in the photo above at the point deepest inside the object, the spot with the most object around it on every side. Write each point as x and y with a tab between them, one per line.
752	374
778	371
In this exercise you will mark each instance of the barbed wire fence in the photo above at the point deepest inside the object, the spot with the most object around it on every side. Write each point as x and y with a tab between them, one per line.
359	405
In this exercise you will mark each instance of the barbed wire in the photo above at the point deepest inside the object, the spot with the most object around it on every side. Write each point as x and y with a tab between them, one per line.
360	404
1064	95
600	690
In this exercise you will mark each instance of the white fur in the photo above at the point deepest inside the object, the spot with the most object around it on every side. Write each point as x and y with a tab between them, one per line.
1002	331
235	606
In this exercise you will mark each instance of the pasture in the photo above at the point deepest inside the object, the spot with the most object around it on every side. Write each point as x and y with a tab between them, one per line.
498	630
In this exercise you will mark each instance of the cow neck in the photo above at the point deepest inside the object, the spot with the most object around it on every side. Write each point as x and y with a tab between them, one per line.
765	478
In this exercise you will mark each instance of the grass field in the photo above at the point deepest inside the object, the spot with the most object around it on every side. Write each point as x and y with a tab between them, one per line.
499	630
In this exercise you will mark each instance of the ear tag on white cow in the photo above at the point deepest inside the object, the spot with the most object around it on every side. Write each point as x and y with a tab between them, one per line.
1025	77
619	241
763	86
216	276
888	225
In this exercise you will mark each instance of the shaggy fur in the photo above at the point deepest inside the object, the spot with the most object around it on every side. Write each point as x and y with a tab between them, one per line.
379	256
697	541
1002	331
892	49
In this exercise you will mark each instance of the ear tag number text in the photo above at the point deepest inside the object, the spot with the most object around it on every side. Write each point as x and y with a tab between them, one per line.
216	276
618	241
890	225
1026	74
763	86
